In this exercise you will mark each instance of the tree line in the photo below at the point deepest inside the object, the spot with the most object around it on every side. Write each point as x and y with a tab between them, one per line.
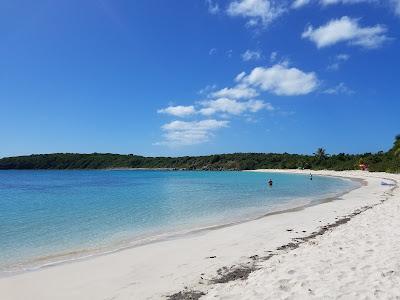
381	161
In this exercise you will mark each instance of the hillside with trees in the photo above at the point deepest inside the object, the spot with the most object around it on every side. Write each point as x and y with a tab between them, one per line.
381	161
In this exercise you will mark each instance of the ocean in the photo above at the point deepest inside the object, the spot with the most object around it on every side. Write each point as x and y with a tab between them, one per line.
48	217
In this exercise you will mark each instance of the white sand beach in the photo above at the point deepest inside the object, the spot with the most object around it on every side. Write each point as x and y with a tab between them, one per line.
282	256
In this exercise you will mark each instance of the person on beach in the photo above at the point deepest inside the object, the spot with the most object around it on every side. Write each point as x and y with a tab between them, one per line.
270	182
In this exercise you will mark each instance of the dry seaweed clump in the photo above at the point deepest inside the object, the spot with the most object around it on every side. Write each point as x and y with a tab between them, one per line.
186	295
235	273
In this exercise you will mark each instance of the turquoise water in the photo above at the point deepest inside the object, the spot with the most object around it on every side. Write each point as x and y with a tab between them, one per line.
53	216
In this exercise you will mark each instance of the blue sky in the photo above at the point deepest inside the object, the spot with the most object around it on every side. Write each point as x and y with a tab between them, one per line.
198	77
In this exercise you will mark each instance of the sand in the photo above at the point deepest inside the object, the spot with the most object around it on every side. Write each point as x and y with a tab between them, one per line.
347	248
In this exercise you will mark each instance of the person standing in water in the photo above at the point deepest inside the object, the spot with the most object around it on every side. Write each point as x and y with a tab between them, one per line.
270	182
310	176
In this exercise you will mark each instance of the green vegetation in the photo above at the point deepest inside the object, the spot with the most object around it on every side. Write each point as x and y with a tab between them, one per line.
396	147
381	161
320	154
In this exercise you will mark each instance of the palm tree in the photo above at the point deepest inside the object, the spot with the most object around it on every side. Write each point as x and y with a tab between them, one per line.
320	154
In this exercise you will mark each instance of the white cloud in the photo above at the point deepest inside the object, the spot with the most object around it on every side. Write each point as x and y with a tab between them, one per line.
238	92
209	124
233	107
342	57
333	66
341	88
212	51
251	55
257	105
394	4
258	12
329	2
213	7
337	61
208	88
280	79
273	56
238	100
181	133
300	3
347	30
178	111
239	76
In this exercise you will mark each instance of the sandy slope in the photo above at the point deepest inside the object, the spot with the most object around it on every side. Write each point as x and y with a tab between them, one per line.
357	257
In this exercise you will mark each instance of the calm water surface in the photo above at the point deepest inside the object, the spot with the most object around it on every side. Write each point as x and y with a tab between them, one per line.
52	216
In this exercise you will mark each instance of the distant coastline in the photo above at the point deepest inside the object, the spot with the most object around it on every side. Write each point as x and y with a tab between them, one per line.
388	161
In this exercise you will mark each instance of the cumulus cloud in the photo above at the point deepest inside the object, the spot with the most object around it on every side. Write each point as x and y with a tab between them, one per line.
181	133
346	30
258	12
251	55
178	111
281	79
238	100
238	92
228	101
233	107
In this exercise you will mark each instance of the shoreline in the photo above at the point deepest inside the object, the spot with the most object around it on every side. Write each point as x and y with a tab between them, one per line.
87	254
204	253
323	270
